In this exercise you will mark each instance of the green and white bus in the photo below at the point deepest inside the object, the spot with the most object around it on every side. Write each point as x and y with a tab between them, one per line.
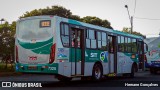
68	48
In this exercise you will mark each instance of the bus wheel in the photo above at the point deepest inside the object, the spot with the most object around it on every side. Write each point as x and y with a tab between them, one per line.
97	72
133	69
64	79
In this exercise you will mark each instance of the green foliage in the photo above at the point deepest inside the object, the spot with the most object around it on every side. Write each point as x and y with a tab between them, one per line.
63	12
128	30
9	69
7	32
54	10
96	21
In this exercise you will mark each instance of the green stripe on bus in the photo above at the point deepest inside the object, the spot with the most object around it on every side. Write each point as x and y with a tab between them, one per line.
38	47
90	55
28	45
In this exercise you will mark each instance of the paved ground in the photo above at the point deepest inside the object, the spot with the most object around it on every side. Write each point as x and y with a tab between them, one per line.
107	84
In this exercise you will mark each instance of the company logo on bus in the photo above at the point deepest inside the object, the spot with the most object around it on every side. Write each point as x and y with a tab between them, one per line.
102	56
33	58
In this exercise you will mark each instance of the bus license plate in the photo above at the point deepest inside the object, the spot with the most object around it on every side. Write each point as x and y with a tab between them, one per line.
32	67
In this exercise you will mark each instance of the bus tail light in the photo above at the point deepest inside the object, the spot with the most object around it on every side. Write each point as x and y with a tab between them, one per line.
17	54
52	54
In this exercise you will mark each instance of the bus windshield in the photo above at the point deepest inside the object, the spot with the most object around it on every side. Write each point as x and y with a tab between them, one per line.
33	30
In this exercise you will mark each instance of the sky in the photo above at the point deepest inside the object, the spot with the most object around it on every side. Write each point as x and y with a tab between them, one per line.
112	10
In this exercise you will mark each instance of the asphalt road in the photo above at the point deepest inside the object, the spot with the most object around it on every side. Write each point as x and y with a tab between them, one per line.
113	83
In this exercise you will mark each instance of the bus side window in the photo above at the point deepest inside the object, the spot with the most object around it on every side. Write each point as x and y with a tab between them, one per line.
111	49
119	44
126	44
65	34
134	46
104	41
91	39
122	43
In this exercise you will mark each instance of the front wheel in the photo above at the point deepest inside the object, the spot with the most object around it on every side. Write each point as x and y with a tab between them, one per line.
97	72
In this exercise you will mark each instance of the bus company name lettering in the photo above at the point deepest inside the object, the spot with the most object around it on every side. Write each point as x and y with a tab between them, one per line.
51	68
93	55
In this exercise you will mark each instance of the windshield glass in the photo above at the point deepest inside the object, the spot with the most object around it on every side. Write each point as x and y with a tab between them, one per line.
33	29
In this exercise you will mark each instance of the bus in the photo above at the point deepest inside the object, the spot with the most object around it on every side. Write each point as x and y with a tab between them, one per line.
68	48
153	55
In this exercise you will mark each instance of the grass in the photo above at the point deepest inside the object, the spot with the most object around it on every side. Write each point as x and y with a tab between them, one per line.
9	71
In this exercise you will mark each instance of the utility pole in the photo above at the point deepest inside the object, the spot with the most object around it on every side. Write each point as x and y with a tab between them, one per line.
130	18
131	24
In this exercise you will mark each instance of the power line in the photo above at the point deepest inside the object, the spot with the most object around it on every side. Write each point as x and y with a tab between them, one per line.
135	7
147	18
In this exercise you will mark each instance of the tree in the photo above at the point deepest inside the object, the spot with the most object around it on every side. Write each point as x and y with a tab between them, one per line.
63	12
54	10
128	30
96	21
75	17
7	41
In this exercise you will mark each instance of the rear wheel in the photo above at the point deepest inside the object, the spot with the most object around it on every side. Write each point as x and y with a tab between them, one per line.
97	72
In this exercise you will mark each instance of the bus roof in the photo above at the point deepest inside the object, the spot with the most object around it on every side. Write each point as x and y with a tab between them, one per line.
75	22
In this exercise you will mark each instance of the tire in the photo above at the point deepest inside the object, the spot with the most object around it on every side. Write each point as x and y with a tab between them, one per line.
64	79
97	72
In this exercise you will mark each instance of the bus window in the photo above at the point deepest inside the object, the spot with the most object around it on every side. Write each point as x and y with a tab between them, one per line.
134	46
66	29
129	45
99	39
87	39
111	48
91	39
65	35
119	44
104	41
126	44
122	43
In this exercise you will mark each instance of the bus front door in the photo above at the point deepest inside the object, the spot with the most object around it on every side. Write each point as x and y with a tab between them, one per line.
112	54
77	51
